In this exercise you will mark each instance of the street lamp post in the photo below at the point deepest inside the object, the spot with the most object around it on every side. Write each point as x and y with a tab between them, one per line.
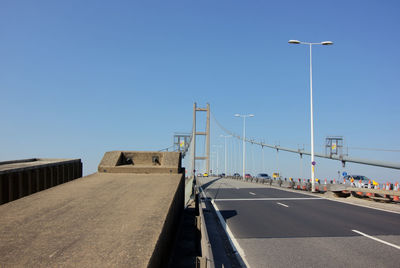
217	148
226	164
324	43
244	139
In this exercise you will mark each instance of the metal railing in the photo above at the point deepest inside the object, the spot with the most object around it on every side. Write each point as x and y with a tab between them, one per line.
207	259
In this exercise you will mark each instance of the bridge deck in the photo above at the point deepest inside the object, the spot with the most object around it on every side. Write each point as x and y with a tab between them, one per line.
99	220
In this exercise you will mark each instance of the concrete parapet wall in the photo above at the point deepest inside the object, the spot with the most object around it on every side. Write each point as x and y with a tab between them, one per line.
141	162
20	178
102	220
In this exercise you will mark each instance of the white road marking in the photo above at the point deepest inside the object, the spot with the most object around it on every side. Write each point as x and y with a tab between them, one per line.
269	199
202	192
286	206
232	240
252	193
377	239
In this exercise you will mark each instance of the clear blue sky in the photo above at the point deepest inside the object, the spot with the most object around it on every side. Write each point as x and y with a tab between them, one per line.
78	78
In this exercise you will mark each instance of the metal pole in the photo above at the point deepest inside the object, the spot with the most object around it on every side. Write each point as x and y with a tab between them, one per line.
226	163
208	140
194	142
244	145
312	127
217	160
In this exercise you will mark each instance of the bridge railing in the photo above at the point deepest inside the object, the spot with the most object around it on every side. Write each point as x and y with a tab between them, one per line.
207	259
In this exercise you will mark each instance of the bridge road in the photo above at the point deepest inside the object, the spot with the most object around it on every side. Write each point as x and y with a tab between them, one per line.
278	228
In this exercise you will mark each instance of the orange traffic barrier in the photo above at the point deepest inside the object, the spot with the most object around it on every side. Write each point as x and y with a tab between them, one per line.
396	188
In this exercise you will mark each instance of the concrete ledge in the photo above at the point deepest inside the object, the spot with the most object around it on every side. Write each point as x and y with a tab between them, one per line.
101	220
141	162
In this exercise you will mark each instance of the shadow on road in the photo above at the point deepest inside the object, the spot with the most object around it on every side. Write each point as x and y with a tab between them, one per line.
204	186
228	214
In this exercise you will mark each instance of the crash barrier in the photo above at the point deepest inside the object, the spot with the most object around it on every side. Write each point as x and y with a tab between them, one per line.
21	178
116	218
206	260
389	193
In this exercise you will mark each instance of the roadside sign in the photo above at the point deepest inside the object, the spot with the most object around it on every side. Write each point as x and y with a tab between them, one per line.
313	163
344	174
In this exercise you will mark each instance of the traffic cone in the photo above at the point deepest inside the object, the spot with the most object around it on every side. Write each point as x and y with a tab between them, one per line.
369	184
334	181
396	188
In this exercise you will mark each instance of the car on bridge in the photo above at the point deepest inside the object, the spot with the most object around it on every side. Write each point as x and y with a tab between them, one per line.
357	180
263	176
247	176
236	175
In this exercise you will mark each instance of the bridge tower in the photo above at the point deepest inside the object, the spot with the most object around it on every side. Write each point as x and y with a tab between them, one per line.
206	133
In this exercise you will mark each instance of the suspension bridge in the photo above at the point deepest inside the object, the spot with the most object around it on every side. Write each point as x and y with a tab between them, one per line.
189	206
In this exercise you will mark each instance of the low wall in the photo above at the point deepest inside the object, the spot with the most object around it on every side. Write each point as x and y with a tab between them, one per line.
20	178
106	219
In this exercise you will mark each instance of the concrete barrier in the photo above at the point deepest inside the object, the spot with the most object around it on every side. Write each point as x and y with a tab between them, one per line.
20	178
107	219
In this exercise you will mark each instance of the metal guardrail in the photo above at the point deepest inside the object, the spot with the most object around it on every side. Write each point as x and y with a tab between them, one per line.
337	188
207	259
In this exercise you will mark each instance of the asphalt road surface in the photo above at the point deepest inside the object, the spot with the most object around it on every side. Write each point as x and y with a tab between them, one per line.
278	228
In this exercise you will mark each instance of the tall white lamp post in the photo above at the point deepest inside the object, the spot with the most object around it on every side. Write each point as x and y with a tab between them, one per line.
324	43
226	152
244	139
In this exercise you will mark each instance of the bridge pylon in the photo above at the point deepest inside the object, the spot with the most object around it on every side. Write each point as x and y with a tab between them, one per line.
206	133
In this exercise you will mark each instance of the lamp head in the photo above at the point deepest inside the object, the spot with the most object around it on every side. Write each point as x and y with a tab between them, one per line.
237	115
294	42
327	43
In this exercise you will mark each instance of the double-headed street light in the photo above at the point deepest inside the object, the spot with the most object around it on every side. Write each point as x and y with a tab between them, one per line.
324	43
244	138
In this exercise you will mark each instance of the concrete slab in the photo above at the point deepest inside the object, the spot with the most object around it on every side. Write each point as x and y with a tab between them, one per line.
101	220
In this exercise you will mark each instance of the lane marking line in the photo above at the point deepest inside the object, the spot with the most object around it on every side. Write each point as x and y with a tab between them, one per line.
252	193
235	245
282	204
377	239
268	199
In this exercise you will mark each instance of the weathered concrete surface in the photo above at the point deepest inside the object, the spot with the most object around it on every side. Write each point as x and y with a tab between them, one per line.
102	220
140	162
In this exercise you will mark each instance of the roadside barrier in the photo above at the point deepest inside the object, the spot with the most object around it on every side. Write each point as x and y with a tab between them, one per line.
339	189
396	188
207	258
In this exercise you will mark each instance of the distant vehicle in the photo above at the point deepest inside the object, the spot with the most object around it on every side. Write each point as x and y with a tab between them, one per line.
263	176
357	180
205	175
236	175
199	175
222	175
247	176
